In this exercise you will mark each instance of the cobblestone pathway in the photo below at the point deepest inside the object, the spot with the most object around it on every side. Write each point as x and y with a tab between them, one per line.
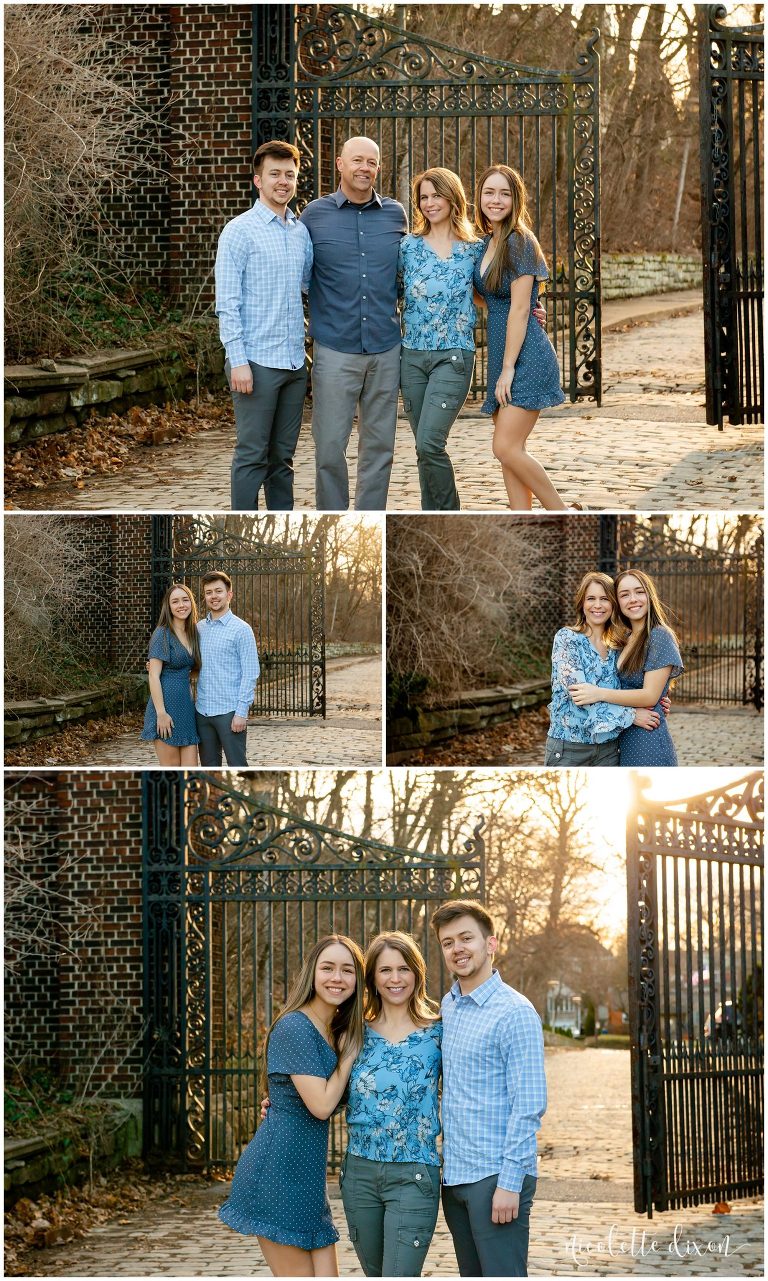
647	448
349	736
583	1222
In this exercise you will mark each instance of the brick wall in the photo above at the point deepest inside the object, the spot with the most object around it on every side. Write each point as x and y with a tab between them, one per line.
112	617
568	546
80	1009
193	64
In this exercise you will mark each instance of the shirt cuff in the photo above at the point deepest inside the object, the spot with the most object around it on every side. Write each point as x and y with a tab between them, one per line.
242	710
236	354
511	1177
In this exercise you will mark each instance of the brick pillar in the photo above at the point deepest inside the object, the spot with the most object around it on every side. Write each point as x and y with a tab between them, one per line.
133	619
80	1009
211	177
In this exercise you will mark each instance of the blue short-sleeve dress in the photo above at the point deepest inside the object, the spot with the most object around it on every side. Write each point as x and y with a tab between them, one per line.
278	1190
651	747
536	384
177	694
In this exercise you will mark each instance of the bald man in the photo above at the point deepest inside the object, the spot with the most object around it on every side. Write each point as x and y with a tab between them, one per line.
354	322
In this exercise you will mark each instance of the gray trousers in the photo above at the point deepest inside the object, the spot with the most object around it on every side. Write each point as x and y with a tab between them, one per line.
342	383
216	733
391	1209
560	752
268	422
484	1248
434	386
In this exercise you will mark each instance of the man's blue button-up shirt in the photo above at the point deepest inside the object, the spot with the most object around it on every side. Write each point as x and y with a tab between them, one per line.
263	263
494	1090
229	668
353	290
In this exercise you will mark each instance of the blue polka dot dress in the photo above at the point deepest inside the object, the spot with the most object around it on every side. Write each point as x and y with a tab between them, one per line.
278	1190
177	694
651	747
536	384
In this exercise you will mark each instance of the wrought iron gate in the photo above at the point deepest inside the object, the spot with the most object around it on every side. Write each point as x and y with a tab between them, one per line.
695	915
234	893
279	590
322	73
731	107
715	600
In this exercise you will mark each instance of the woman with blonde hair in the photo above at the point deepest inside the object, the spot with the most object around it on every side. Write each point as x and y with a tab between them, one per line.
649	660
523	374
278	1193
390	1177
584	724
174	656
436	266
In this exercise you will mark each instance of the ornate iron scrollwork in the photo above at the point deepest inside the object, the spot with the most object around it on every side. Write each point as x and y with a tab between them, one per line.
430	103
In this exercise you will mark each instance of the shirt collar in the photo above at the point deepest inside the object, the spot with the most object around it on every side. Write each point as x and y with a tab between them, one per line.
342	200
268	215
224	620
480	994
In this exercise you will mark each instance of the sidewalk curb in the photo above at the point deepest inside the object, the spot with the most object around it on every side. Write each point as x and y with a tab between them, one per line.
648	317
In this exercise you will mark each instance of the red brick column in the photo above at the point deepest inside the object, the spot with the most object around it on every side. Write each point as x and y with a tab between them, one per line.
211	179
80	1009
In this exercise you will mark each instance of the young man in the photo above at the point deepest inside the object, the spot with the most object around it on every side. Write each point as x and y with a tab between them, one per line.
355	325
494	1096
228	675
263	262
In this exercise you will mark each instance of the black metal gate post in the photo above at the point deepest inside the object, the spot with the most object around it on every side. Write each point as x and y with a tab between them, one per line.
426	103
236	892
730	105
695	947
279	590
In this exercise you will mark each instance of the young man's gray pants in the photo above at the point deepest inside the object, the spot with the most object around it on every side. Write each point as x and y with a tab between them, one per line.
342	382
559	751
391	1209
268	422
484	1248
435	385
215	733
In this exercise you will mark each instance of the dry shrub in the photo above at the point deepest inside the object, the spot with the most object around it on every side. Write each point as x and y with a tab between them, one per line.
45	571
77	135
458	593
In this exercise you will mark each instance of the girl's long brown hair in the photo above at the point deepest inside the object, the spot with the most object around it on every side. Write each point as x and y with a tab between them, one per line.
636	648
517	220
614	631
448	185
420	1007
165	621
347	1019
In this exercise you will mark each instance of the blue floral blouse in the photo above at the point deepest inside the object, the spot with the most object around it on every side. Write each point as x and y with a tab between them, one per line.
438	312
576	662
392	1113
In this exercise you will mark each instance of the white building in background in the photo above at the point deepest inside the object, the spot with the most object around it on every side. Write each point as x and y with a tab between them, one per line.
563	1008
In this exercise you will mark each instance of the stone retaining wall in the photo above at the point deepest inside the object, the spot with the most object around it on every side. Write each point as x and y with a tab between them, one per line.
635	275
416	727
39	717
40	401
53	1160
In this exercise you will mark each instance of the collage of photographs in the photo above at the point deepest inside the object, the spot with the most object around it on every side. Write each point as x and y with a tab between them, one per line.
384	465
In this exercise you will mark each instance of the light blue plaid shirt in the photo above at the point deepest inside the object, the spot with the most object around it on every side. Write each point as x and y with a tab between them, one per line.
230	666
262	264
494	1090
